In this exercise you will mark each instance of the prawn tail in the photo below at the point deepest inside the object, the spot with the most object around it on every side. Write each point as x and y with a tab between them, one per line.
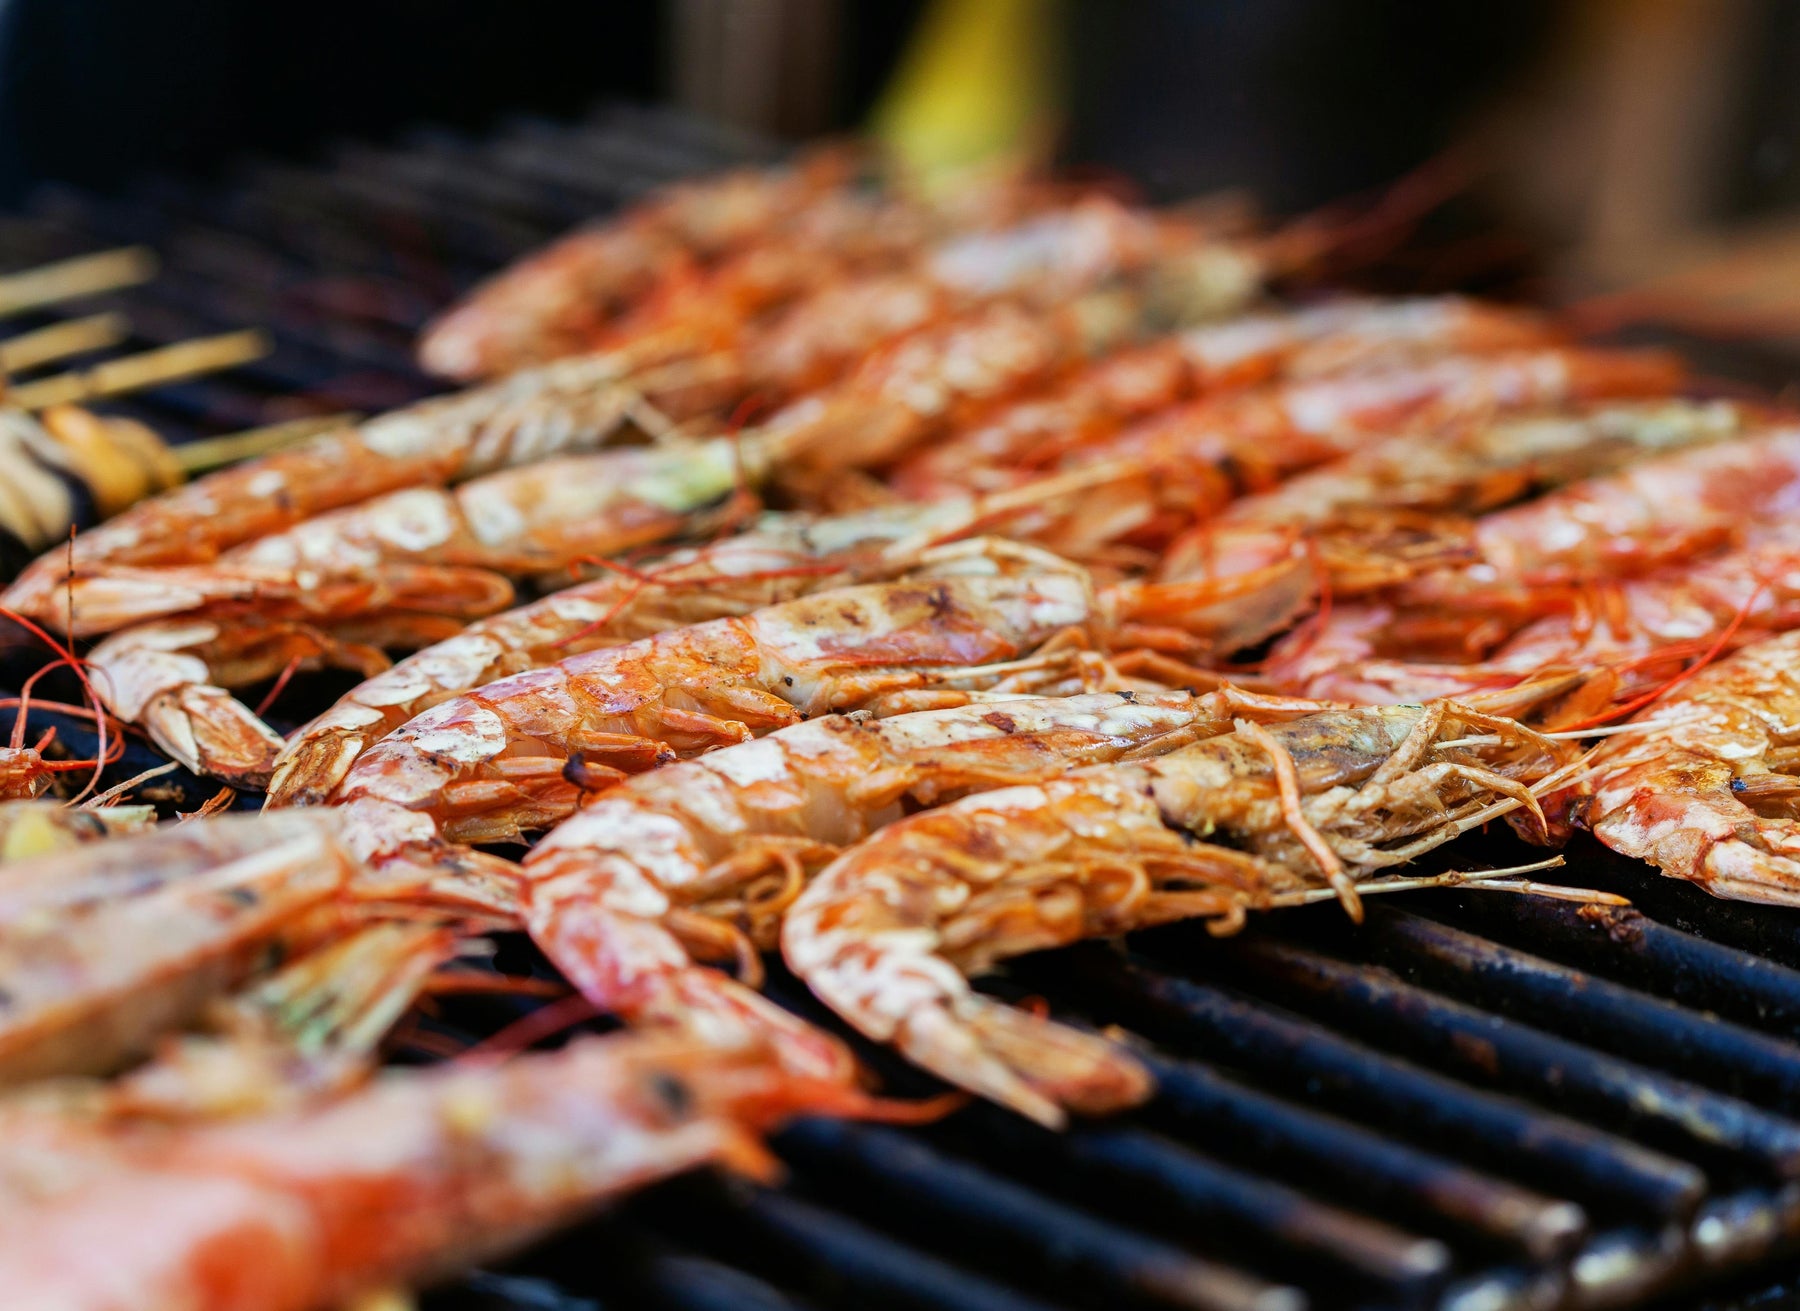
211	732
312	764
407	864
718	1009
1036	1066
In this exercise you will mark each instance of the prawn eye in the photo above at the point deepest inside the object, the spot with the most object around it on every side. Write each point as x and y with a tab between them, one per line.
675	1097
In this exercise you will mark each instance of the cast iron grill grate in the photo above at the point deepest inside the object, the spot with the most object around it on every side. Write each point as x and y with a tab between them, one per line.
1474	1102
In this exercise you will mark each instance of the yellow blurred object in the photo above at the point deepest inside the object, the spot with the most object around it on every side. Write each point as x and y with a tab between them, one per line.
120	460
980	82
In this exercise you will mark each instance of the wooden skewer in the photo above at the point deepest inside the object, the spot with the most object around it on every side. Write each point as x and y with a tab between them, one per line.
85	275
184	359
59	341
213	452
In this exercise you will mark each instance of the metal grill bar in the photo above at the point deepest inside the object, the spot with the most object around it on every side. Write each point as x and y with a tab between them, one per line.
1168	1187
1608	1016
1489	1049
1628	946
902	1179
1351	1162
1550	1151
765	1229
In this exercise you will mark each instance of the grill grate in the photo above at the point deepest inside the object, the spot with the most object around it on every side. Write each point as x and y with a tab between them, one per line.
1476	1102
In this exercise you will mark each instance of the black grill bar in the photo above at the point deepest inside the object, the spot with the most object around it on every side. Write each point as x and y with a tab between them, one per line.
647	1268
773	1232
1772	932
1168	1187
1628	946
1560	1155
1440	1196
909	1183
1490	1049
1606	1015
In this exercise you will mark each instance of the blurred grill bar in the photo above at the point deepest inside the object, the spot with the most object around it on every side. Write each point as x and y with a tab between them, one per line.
1477	1103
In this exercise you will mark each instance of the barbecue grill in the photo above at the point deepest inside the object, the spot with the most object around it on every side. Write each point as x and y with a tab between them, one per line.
1473	1101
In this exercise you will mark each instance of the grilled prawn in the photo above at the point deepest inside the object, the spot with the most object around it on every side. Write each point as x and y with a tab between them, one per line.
278	1212
563	299
1104	397
703	857
106	947
520	753
1707	791
407	569
781	557
1543	589
1395	510
563	408
889	934
1195	459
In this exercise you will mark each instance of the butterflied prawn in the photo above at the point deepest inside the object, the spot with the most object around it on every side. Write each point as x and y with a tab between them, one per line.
890	933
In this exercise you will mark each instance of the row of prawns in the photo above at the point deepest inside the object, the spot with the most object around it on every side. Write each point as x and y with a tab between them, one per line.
1104	593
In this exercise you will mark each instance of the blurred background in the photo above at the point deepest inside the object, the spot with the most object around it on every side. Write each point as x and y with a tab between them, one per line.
1642	152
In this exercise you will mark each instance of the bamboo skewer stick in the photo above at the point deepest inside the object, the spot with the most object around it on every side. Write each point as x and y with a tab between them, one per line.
85	275
1500	880
59	341
214	452
133	372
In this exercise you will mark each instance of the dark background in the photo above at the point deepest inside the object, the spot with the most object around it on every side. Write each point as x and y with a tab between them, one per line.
1297	100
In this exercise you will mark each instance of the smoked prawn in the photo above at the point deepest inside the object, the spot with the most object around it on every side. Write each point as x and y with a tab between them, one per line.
889	934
